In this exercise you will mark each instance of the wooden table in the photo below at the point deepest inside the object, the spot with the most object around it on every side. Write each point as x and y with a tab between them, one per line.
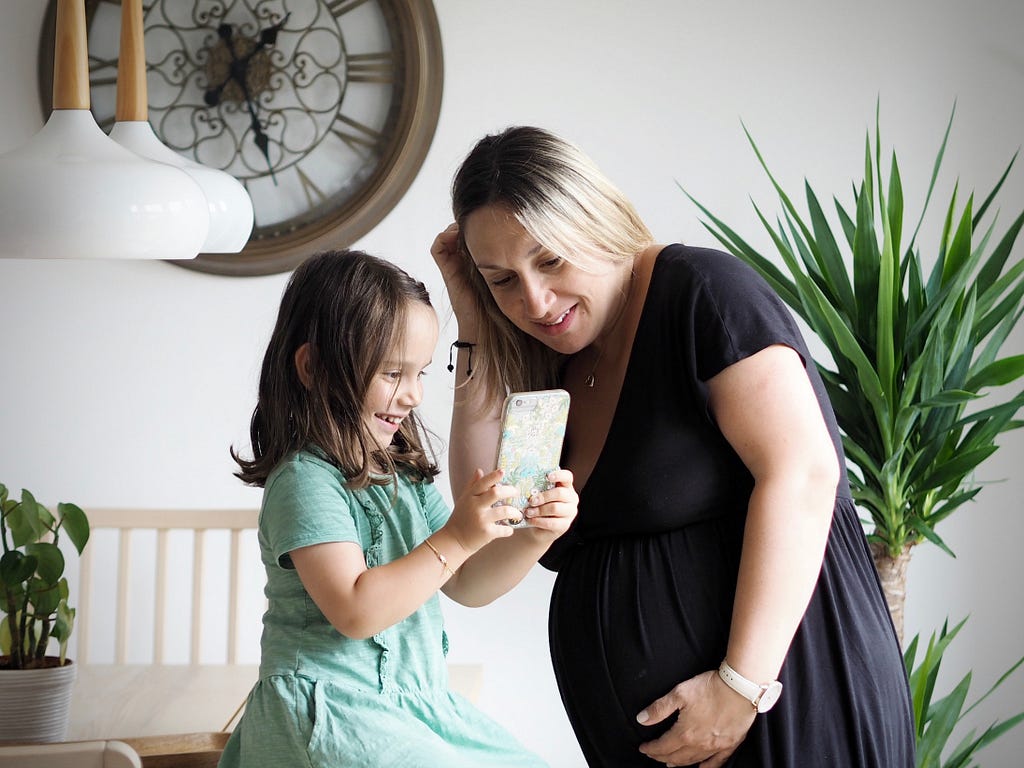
114	701
126	701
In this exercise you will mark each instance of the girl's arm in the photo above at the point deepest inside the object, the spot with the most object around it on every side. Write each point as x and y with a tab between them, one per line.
766	408
482	560
503	563
361	601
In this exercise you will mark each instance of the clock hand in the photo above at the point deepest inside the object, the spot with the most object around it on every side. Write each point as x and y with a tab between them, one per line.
268	37
238	71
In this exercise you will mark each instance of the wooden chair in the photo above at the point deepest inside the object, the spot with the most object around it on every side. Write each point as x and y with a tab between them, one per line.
200	524
137	584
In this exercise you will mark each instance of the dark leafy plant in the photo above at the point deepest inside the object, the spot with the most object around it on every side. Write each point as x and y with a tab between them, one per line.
33	589
912	349
937	720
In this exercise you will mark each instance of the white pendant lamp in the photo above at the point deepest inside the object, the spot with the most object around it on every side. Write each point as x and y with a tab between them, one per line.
73	193
231	216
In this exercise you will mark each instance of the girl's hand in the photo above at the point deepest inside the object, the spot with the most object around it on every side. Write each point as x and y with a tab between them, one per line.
475	521
554	510
713	721
452	264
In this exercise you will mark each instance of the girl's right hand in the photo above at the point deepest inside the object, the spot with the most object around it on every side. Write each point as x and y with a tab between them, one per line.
475	521
451	262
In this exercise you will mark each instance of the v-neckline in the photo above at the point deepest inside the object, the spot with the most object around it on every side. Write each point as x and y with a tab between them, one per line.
643	278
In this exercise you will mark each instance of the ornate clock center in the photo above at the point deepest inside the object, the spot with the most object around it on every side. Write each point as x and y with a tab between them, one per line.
238	67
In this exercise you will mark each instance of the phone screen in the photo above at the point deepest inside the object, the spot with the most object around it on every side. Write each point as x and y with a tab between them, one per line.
530	446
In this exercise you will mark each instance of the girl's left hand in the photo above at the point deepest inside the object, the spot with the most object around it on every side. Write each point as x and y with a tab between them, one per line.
713	721
554	510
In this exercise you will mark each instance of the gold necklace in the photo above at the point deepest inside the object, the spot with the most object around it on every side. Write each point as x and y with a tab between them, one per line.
591	379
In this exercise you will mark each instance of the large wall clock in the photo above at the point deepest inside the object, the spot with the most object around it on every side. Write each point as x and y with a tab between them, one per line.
323	109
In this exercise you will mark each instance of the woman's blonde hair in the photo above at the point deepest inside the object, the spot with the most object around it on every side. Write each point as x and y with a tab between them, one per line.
564	202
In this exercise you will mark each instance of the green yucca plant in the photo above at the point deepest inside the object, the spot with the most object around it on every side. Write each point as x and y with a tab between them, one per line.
936	720
911	349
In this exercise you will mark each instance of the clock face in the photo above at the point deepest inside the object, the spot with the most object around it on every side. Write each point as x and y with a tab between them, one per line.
323	109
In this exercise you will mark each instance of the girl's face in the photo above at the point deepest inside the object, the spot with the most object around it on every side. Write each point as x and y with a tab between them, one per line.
542	294
397	387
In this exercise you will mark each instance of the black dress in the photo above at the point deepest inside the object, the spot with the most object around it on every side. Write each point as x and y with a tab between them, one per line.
647	573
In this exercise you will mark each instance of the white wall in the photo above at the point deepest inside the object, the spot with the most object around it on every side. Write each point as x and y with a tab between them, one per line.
124	384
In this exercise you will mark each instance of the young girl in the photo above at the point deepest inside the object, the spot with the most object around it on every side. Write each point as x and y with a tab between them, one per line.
356	540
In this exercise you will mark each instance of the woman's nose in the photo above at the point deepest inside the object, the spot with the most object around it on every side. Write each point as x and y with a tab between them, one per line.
536	298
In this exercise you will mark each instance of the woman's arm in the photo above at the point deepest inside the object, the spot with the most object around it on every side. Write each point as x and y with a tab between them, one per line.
767	410
475	422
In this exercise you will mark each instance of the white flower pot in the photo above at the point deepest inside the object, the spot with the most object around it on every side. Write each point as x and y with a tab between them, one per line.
35	704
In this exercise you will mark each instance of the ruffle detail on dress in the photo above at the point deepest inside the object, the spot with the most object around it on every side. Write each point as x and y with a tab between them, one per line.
373	558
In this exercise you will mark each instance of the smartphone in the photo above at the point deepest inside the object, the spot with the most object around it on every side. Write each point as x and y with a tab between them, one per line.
530	445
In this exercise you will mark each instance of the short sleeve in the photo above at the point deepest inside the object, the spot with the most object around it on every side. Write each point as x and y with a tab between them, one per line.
305	503
735	313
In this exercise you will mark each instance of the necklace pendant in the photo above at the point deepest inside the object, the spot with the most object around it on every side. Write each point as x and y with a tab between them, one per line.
589	381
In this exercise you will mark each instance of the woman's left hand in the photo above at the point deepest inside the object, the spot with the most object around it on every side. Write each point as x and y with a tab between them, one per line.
553	510
713	721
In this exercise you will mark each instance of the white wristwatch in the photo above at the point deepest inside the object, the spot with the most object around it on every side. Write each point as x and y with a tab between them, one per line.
763	697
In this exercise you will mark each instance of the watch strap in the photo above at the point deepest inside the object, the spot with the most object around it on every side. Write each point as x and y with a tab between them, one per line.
746	688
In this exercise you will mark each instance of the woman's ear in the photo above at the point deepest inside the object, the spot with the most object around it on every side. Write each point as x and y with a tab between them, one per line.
302	361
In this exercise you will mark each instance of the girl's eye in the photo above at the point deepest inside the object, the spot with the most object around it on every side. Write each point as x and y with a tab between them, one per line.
552	263
393	375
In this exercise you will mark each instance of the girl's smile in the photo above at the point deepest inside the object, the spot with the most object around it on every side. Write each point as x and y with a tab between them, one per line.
398	387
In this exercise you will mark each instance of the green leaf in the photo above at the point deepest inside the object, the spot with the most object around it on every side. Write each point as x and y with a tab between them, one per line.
50	565
16	567
75	523
1004	371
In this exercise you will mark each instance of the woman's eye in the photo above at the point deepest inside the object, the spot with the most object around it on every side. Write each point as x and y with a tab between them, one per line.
501	282
553	262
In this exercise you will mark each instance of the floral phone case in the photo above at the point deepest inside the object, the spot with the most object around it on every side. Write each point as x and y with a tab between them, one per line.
530	446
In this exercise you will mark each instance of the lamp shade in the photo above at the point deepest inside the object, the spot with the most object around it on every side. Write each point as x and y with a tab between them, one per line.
71	192
230	209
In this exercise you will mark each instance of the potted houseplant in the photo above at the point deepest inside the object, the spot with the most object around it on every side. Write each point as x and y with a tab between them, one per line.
35	686
913	349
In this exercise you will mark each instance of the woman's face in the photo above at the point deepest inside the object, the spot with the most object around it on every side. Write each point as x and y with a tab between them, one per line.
542	294
397	387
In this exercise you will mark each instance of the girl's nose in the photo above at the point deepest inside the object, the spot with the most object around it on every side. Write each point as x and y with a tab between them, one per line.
410	392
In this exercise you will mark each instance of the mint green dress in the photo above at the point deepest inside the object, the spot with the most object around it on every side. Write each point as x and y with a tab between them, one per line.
329	701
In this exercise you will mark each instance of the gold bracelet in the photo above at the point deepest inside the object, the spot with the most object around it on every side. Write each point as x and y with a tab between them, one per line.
442	558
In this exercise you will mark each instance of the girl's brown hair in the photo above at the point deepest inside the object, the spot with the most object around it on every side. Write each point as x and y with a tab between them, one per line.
350	308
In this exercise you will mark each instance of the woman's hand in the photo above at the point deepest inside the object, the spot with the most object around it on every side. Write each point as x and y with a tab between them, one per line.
553	510
452	263
713	721
475	521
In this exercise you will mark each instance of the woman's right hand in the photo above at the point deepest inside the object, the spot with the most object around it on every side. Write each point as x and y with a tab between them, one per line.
450	261
475	521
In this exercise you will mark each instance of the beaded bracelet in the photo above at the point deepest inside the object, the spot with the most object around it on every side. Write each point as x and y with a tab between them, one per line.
469	360
442	558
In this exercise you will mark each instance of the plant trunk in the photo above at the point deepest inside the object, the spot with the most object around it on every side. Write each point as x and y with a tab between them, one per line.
893	573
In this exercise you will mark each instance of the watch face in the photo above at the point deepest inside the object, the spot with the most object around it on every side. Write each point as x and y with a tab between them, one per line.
323	109
771	694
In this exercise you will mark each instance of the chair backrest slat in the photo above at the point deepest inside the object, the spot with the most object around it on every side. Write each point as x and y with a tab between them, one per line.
163	521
